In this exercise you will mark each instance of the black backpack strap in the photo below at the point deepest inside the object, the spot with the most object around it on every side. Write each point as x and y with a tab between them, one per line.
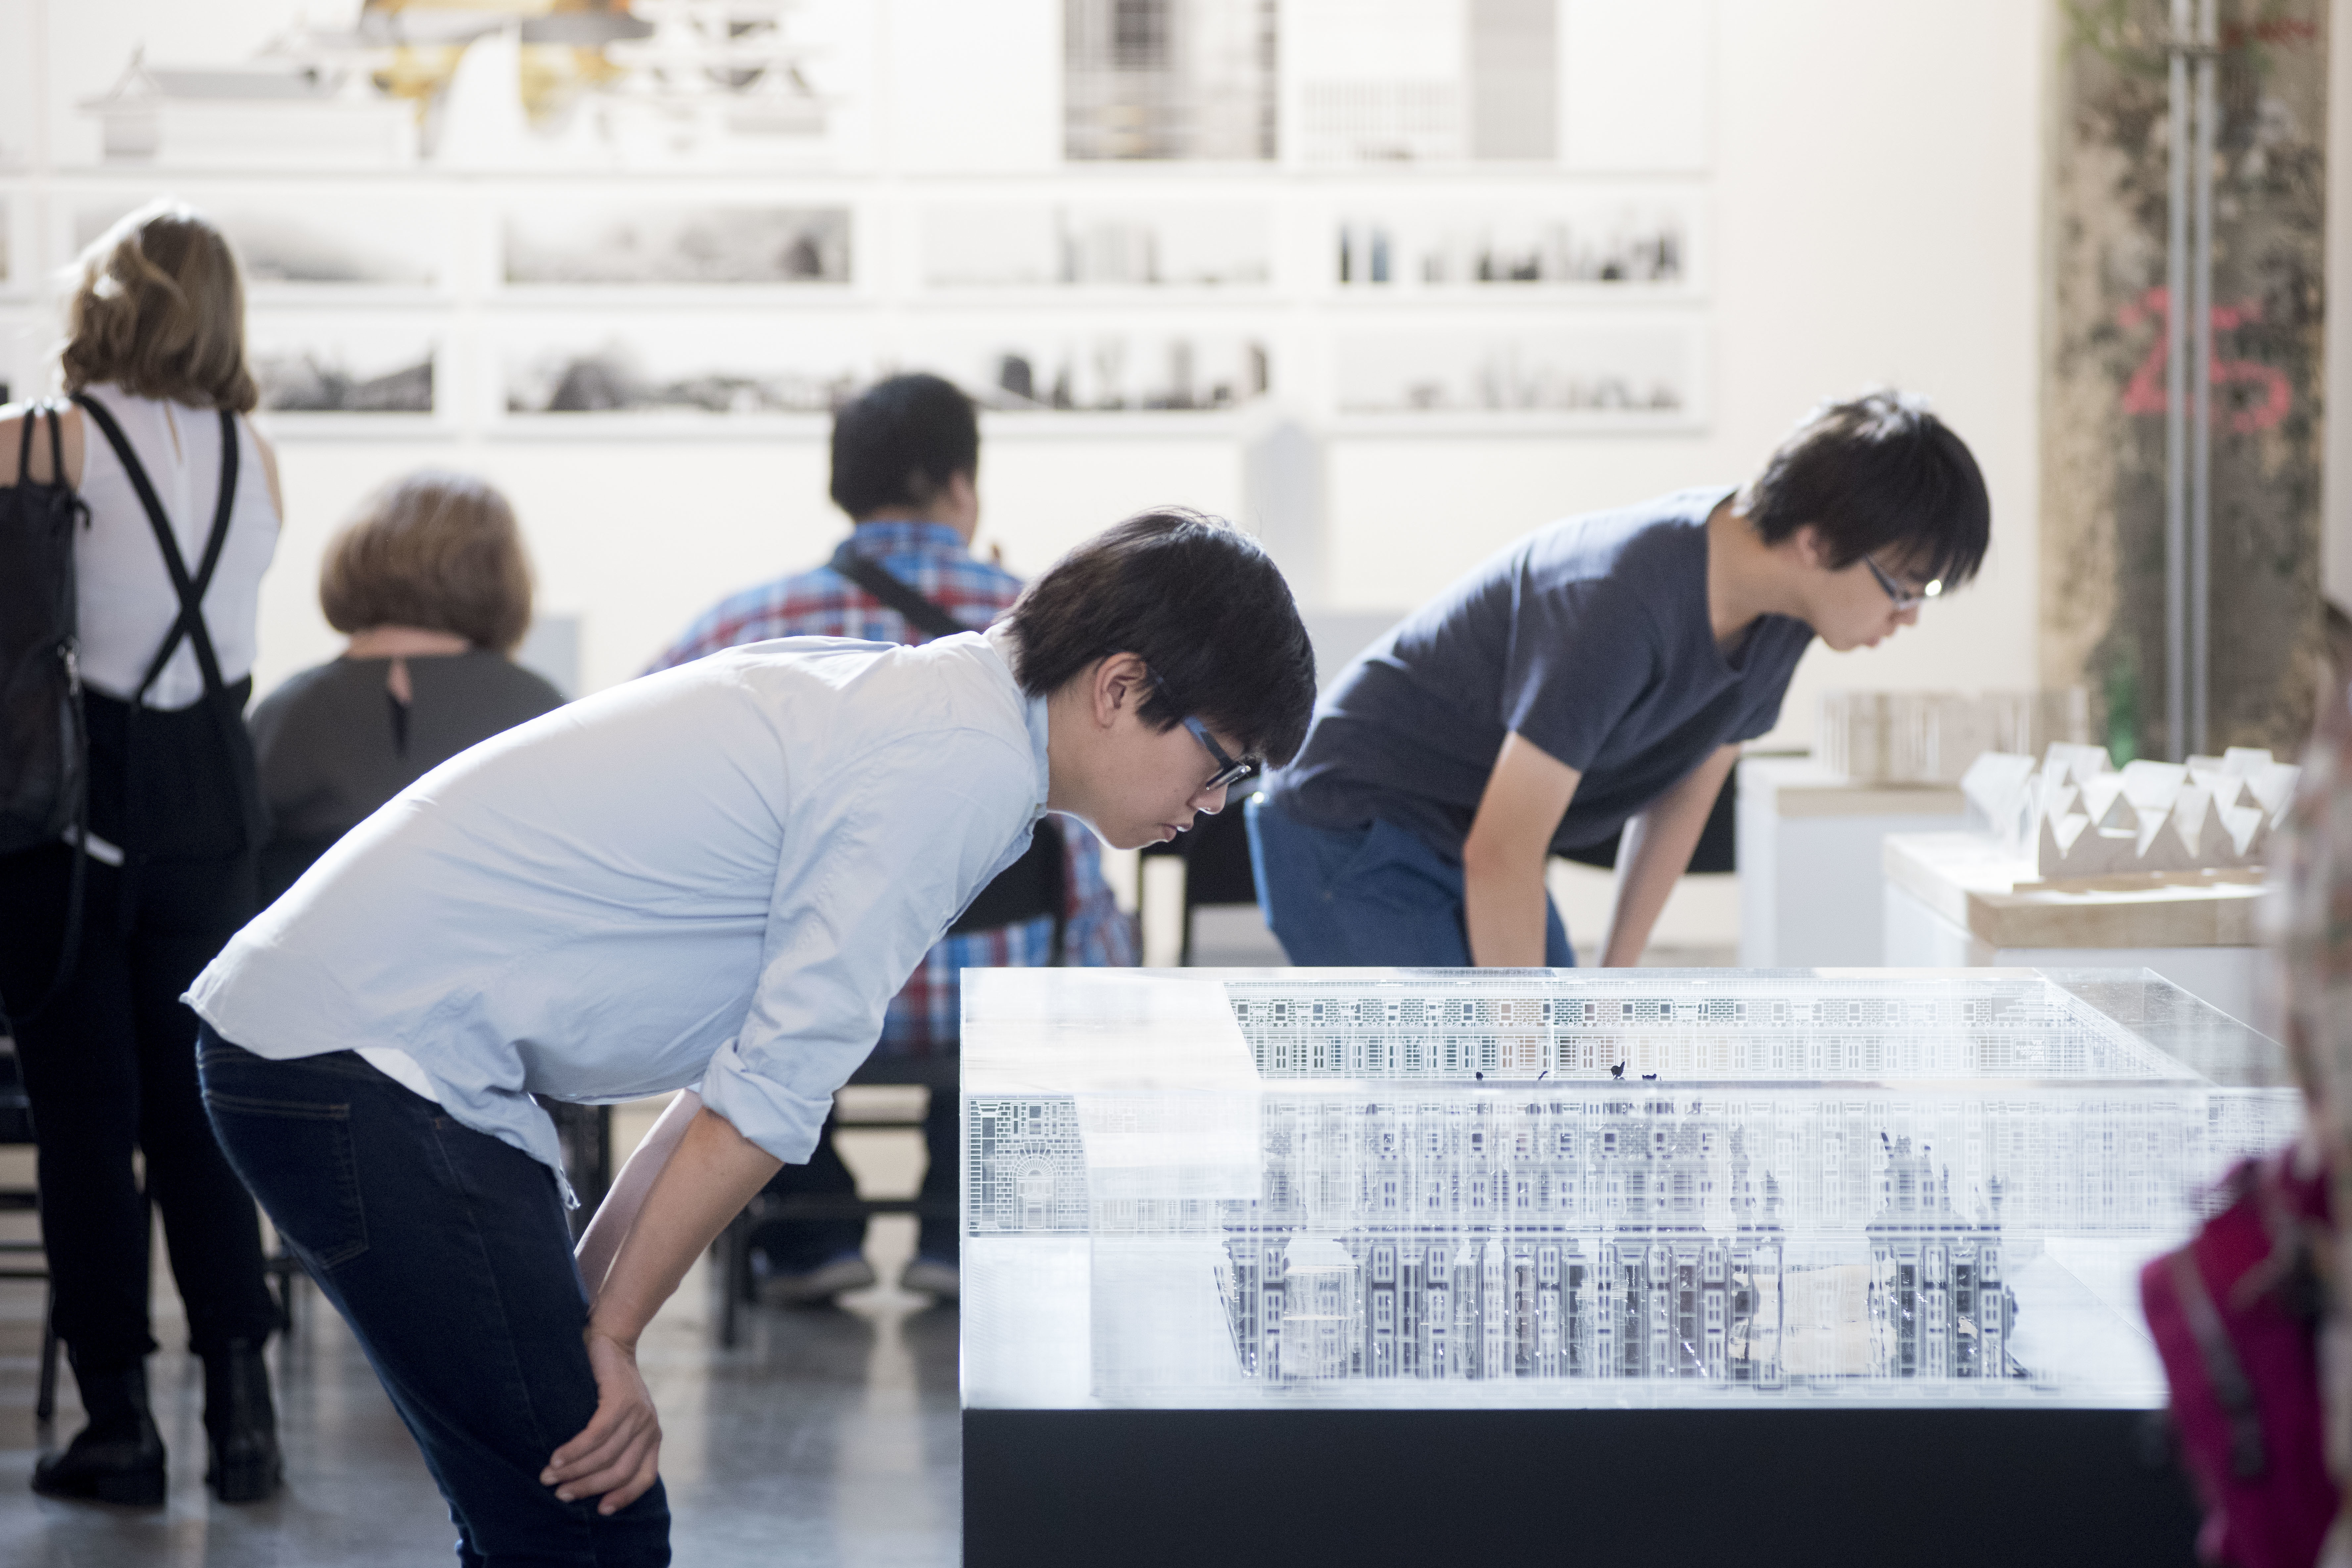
58	458
925	616
77	879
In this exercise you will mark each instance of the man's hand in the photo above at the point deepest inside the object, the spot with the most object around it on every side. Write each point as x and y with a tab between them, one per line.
706	1178
618	1453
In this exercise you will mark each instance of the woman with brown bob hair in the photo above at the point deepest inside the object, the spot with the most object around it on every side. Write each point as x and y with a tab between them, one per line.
154	359
430	582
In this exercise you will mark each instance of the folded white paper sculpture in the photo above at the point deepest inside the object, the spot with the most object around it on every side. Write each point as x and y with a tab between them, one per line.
2078	816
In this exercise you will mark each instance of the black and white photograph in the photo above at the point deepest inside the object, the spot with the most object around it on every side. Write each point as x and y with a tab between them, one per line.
675	369
1169	245
302	243
1104	370
1628	372
1621	243
306	365
658	244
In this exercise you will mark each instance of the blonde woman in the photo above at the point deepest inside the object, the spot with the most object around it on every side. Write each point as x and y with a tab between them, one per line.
155	360
430	582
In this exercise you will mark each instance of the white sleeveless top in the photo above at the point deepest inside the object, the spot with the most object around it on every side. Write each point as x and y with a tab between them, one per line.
125	590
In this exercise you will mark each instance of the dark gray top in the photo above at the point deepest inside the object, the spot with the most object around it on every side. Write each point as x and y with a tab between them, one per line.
1590	638
332	746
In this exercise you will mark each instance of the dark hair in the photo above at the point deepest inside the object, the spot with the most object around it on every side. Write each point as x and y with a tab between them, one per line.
435	550
1200	604
1875	471
899	441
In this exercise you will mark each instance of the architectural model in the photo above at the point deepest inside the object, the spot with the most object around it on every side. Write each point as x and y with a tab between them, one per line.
1759	1180
2078	816
1931	737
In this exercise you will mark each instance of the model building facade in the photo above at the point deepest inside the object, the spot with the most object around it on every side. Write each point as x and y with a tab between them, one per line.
1757	1181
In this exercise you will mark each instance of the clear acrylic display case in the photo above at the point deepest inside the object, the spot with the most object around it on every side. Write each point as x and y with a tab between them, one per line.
1438	1188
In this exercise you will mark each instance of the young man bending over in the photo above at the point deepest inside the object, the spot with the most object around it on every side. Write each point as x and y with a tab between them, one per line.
1599	674
905	467
714	876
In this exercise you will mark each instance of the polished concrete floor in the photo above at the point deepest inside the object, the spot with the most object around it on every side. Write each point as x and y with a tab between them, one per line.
825	1437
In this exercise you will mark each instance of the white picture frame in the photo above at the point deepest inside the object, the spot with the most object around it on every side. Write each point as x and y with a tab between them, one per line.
296	246
1564	372
1559	240
570	374
332	372
571	250
1054	248
1104	366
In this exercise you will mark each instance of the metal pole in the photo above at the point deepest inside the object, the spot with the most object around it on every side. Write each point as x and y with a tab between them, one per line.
2176	404
2200	394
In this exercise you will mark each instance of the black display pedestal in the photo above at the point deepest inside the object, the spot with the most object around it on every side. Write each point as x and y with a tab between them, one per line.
1224	1488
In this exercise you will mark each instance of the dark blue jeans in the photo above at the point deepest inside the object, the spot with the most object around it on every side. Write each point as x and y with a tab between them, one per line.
447	1253
1366	897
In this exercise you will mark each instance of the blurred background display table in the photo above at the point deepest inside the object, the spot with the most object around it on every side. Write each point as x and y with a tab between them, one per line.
1678	1266
1960	900
1811	853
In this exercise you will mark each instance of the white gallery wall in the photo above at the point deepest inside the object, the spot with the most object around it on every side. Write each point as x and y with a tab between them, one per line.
1864	185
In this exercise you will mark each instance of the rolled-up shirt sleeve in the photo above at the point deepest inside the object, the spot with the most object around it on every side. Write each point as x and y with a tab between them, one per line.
897	847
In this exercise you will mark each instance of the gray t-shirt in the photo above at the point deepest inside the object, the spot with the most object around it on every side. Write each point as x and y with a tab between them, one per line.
1589	638
331	745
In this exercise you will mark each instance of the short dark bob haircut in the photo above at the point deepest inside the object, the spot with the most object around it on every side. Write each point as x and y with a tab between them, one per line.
1878	473
897	443
1200	604
436	549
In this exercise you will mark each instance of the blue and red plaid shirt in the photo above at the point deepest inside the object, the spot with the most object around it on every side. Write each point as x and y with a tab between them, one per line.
930	558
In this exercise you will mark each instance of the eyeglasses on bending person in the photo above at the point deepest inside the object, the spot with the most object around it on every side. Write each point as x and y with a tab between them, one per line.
1230	769
1905	598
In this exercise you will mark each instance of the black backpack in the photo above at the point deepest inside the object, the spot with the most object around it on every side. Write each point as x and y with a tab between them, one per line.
44	748
44	739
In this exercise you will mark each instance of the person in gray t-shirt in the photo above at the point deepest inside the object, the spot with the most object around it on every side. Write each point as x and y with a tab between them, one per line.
1598	675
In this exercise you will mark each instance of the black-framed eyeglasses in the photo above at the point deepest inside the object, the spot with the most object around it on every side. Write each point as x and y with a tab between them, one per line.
1230	769
1905	598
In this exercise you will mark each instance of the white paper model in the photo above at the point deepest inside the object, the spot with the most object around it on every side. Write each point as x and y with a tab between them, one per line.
2080	816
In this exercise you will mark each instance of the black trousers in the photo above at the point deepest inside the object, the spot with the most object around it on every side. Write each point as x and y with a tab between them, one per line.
447	1253
111	1068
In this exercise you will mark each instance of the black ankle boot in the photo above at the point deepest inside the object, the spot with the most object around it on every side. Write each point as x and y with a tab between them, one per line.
118	1456
241	1425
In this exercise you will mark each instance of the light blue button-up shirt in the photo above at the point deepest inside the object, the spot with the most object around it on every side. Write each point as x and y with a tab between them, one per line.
715	876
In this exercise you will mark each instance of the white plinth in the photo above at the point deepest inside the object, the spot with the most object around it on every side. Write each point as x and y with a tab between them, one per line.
1810	852
1953	901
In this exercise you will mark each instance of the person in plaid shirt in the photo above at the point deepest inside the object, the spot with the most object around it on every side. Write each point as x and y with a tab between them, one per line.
905	454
